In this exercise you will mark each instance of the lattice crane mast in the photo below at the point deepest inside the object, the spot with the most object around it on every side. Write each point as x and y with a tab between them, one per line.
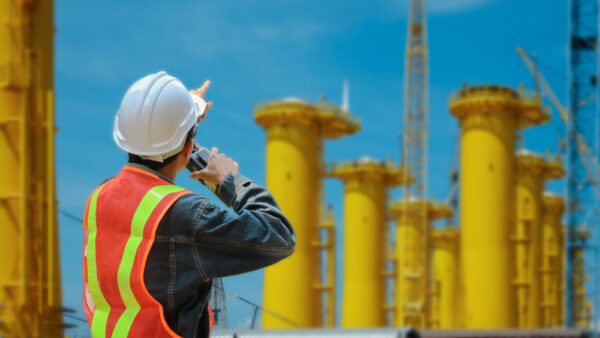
582	197
414	309
415	100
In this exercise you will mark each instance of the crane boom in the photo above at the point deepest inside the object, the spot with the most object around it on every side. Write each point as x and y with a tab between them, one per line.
589	161
546	88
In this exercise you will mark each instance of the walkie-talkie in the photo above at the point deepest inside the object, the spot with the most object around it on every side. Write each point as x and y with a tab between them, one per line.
199	161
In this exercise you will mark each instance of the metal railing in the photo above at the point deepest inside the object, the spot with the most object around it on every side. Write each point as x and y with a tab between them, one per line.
482	91
326	107
320	107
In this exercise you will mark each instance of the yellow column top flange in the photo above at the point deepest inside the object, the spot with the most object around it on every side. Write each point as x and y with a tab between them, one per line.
370	169
548	166
481	99
435	210
330	120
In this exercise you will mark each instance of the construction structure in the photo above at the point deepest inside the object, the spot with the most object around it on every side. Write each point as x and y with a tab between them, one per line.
218	305
30	292
411	308
532	170
295	130
444	278
503	268
552	260
489	118
366	182
413	260
582	164
582	154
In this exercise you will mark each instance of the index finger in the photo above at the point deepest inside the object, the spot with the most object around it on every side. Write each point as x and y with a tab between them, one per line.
202	90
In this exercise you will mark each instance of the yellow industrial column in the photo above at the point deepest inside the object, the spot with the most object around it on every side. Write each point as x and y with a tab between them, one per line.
413	261
489	116
444	279
294	132
30	295
532	171
553	209
365	185
560	301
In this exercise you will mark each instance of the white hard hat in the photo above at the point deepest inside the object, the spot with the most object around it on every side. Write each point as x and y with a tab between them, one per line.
155	116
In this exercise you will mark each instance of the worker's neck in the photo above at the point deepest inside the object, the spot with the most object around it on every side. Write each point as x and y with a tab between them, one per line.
171	170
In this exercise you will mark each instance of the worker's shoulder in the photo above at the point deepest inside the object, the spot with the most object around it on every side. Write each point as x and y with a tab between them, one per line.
182	216
190	201
190	206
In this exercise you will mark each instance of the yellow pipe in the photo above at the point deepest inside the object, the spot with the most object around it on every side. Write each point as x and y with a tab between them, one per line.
445	278
489	116
581	320
30	287
365	184
561	275
327	245
13	242
413	261
532	171
294	129
331	266
553	208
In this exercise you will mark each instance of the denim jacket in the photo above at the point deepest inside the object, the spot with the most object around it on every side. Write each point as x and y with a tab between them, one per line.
196	241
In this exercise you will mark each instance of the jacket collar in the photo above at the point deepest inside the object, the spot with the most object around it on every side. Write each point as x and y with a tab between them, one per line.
152	171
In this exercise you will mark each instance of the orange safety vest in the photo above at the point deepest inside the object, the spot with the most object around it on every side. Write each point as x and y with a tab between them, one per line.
120	223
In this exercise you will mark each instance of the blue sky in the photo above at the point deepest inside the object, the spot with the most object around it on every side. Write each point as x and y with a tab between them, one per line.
256	50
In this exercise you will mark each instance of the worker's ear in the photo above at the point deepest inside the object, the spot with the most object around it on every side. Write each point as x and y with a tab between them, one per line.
187	149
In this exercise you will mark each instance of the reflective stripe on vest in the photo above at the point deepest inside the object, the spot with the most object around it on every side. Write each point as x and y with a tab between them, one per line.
130	309
102	307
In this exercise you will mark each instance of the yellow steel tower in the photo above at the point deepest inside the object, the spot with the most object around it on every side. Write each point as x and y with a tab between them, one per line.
553	209
444	278
294	133
532	171
415	159
489	116
412	256
30	296
365	199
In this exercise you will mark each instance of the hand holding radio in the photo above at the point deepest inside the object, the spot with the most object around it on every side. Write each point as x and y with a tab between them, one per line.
210	167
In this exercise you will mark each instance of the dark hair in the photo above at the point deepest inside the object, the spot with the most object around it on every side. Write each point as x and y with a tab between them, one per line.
154	165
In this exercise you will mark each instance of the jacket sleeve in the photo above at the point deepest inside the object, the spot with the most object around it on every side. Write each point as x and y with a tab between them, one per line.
250	236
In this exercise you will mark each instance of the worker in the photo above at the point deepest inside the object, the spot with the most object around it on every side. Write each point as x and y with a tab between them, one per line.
152	248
